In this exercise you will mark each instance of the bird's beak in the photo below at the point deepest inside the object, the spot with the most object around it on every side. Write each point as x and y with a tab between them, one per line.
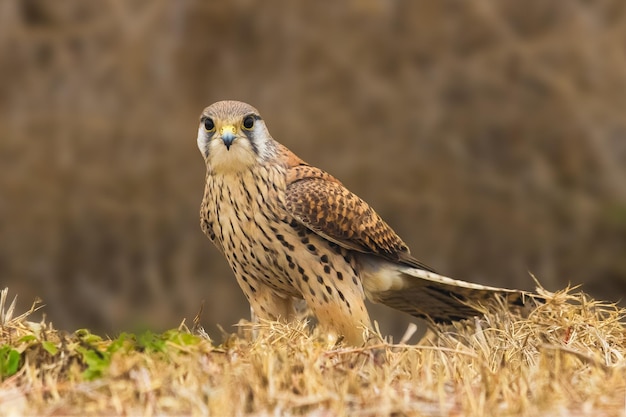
228	134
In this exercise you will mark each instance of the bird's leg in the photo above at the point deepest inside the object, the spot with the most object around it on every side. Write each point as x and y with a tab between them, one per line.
339	308
266	304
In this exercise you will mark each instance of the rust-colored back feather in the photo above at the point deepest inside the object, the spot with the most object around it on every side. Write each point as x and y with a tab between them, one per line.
321	203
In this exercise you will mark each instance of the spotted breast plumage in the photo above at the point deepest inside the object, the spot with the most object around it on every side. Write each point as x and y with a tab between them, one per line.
292	231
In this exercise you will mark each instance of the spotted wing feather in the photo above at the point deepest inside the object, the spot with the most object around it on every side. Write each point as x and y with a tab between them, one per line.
321	203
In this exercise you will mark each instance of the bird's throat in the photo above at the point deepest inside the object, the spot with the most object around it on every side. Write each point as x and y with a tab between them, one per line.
228	161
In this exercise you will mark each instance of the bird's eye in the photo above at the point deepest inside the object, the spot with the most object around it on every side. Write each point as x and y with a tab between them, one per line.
248	122
208	124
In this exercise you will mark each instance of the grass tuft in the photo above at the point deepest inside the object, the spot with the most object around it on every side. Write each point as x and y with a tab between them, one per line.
565	357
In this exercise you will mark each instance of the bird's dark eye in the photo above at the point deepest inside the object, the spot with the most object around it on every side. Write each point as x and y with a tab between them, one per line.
208	124
248	122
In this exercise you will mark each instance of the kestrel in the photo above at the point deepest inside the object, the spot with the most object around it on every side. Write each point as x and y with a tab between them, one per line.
292	231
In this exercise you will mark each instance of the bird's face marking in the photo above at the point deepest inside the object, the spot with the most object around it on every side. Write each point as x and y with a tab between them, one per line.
232	137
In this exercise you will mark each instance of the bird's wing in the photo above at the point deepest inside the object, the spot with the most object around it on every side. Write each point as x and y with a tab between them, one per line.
321	203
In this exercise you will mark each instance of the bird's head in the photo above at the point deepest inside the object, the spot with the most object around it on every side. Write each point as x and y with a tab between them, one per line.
232	137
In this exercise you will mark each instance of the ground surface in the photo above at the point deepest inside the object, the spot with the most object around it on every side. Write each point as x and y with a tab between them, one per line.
565	358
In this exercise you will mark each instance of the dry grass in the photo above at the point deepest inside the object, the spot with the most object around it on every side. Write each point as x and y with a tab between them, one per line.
565	358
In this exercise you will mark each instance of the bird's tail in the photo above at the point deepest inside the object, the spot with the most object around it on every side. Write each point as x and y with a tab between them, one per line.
426	294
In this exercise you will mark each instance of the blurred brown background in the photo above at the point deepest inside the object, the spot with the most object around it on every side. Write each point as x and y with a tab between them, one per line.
490	134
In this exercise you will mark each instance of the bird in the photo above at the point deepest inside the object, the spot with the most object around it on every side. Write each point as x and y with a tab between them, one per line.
291	231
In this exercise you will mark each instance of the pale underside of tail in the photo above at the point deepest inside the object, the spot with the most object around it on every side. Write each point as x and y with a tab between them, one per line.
426	294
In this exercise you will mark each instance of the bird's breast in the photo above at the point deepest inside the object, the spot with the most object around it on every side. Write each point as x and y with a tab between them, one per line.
246	200
248	220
